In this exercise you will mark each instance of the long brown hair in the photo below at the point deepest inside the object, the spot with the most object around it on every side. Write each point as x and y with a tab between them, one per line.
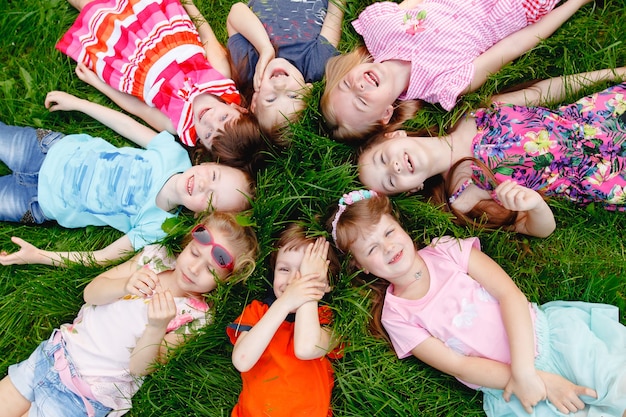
240	145
486	213
336	68
348	228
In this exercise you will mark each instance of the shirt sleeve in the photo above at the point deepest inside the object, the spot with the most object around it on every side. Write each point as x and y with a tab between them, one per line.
243	56
251	315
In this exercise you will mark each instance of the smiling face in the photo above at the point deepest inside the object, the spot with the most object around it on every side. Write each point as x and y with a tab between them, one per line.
279	95
218	184
365	95
210	115
385	250
196	269
287	266
394	166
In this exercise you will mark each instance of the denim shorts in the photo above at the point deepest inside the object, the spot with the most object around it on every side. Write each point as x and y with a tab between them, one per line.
38	381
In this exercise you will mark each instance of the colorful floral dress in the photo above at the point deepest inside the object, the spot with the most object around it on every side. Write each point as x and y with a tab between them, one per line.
577	151
151	50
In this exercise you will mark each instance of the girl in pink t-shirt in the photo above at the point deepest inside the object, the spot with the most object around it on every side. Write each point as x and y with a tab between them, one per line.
431	50
454	308
133	315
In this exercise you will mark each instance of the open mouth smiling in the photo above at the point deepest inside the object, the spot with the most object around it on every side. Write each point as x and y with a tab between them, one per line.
279	73
190	182
371	78
203	112
408	163
396	257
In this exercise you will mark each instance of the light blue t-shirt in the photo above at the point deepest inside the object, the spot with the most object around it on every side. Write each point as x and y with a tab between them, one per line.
88	181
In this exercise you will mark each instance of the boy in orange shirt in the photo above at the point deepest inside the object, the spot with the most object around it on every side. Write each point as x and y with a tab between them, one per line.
282	343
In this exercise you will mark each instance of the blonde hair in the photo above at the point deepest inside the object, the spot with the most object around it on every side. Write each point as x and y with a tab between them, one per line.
337	68
241	239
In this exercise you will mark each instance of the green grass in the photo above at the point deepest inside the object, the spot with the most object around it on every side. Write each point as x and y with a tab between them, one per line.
583	260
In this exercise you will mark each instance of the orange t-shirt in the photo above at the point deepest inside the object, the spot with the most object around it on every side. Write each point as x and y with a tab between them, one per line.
280	384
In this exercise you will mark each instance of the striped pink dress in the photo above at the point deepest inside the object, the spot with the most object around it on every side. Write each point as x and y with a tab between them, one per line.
442	38
150	49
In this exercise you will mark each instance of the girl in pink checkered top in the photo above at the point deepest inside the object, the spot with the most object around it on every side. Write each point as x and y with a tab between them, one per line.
430	50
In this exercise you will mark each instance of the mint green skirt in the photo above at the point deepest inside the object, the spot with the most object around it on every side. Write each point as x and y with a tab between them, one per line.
586	344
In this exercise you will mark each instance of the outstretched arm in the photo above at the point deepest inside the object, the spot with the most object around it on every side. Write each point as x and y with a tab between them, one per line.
525	383
518	43
331	29
215	51
311	340
562	393
242	20
30	254
119	122
557	88
151	115
520	378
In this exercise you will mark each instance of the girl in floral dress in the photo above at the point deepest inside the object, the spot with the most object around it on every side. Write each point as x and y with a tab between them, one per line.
498	160
149	58
134	314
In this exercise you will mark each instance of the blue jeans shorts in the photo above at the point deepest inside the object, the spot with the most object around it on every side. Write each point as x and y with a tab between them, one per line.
38	381
23	150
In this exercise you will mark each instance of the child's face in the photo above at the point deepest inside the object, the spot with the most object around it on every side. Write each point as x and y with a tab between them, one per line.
196	269
210	115
365	95
385	250
279	95
395	165
220	185
287	266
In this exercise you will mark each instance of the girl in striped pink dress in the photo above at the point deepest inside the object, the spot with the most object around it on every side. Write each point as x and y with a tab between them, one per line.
149	58
430	50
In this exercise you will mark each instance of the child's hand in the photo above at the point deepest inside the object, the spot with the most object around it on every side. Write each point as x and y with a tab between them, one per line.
517	197
302	290
28	254
162	309
87	75
563	394
59	100
315	260
142	283
265	56
528	390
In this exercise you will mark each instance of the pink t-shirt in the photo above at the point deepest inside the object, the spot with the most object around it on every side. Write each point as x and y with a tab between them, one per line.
456	309
441	38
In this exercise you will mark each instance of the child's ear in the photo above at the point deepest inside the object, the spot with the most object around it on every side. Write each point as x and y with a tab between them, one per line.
252	106
396	134
387	114
242	110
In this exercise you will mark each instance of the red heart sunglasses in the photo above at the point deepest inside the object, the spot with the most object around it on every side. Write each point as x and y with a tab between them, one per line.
220	254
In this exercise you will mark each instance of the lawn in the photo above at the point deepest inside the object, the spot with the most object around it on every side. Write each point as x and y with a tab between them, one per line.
585	259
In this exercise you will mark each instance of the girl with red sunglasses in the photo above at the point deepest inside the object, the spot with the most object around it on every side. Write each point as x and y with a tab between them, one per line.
133	315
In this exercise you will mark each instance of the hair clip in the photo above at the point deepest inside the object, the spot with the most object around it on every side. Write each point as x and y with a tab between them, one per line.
349	199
